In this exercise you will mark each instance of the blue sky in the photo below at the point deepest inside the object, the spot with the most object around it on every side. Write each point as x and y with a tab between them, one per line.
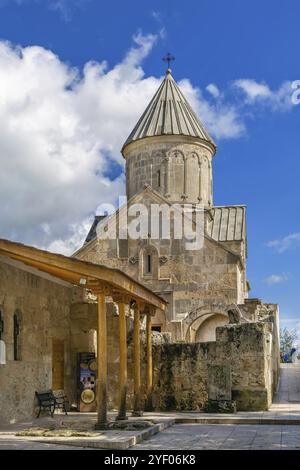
239	47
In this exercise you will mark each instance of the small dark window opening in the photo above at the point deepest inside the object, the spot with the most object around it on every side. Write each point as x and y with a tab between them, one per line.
156	328
148	264
158	178
16	337
1	324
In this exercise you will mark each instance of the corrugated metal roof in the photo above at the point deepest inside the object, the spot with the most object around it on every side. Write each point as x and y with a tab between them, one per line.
169	113
228	223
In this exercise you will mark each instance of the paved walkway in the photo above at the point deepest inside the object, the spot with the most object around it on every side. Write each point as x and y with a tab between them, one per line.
286	407
22	444
288	394
224	437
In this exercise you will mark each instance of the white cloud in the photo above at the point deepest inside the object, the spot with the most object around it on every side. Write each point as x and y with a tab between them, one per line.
260	93
61	129
222	120
283	244
58	134
252	89
276	279
213	90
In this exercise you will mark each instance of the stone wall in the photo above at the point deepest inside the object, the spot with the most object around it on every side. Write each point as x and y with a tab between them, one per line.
43	309
185	375
178	168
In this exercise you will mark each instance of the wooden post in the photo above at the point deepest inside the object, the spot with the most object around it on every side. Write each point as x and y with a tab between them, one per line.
102	365
149	374
137	363
122	362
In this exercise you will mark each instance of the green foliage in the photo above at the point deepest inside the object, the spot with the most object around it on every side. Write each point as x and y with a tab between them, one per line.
287	340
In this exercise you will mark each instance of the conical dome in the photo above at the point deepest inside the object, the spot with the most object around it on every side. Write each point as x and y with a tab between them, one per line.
169	113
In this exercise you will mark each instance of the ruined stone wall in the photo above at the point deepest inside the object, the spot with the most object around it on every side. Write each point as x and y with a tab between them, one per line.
180	376
184	374
43	309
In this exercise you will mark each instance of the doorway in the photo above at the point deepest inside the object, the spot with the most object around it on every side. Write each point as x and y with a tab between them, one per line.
58	364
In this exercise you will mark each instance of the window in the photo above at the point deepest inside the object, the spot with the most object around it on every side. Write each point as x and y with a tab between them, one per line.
148	264
158	179
16	331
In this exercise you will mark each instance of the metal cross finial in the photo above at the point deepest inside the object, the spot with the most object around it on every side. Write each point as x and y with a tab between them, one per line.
168	58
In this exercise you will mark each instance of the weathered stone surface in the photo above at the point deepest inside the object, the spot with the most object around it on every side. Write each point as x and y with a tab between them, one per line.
251	399
235	368
220	406
44	310
219	382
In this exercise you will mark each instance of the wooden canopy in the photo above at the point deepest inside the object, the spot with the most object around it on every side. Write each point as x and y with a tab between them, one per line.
81	273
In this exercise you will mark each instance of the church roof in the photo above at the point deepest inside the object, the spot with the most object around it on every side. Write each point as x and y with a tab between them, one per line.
93	230
228	223
169	113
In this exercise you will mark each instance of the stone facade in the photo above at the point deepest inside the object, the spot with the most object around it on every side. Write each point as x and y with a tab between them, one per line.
202	281
178	169
43	310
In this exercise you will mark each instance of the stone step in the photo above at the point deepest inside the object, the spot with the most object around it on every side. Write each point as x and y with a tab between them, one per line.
238	420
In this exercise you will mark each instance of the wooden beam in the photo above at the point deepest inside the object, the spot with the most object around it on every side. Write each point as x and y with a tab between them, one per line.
102	422
122	362
137	411
149	370
72	270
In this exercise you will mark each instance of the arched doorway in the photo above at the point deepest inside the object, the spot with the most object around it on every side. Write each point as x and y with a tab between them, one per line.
207	330
200	324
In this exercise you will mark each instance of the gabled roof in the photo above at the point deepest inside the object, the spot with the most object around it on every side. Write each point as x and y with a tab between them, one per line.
169	113
228	224
92	232
148	190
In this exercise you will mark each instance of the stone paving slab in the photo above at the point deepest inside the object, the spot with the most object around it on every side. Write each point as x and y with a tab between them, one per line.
224	437
21	444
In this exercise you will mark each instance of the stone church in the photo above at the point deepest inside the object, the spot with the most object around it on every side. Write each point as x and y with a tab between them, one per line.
184	326
169	160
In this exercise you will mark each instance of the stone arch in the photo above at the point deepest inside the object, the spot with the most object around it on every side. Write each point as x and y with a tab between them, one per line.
192	175
206	331
176	169
197	317
205	180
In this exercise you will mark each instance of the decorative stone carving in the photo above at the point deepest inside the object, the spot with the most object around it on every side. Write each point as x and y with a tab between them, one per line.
133	259
163	260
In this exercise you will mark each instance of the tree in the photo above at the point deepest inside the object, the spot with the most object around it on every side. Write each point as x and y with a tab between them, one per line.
287	340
